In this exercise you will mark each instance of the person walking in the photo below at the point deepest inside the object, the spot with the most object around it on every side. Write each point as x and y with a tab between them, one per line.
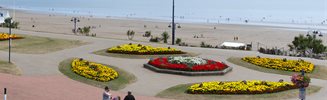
106	95
129	96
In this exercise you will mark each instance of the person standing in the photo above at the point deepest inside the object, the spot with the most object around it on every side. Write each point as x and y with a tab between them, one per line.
129	96
106	95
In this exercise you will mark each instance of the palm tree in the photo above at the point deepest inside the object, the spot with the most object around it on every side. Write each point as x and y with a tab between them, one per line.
130	34
165	36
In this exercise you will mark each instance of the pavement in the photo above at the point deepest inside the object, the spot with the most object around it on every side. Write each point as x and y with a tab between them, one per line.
41	78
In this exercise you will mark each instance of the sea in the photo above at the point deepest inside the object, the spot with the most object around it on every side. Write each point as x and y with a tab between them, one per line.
305	13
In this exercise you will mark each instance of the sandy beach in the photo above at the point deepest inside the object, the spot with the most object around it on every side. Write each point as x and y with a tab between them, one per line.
43	68
117	28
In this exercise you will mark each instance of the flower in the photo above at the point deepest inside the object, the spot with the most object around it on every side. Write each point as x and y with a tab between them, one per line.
93	70
281	64
187	64
142	50
6	36
300	80
239	87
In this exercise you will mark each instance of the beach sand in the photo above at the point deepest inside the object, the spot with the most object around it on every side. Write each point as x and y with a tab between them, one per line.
265	36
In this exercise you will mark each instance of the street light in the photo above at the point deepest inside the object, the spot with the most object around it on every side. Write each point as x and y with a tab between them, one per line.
75	20
173	27
9	42
173	24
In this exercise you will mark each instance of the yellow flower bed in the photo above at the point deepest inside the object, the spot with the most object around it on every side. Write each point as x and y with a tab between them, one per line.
93	70
5	36
142	50
281	64
240	87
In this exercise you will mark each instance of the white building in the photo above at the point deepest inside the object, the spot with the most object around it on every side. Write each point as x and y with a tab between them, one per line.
3	16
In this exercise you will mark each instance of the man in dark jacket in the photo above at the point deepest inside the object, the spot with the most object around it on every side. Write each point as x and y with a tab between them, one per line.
129	96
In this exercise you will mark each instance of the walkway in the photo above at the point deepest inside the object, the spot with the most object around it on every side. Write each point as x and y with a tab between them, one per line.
43	69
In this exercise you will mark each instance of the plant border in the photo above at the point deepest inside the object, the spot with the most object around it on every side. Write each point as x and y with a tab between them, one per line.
187	73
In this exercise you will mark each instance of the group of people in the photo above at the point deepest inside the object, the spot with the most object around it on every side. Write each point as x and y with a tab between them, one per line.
108	96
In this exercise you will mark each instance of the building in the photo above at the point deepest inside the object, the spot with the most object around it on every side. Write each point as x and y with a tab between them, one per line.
3	16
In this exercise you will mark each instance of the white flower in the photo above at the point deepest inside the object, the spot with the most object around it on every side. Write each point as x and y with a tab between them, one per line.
190	61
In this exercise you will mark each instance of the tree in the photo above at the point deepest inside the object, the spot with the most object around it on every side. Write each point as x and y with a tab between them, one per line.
310	42
7	24
130	34
165	36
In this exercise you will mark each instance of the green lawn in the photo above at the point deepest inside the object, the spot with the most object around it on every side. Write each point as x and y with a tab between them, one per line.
9	68
178	93
121	82
319	71
39	45
104	53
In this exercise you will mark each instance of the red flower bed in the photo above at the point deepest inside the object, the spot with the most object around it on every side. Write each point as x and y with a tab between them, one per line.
210	66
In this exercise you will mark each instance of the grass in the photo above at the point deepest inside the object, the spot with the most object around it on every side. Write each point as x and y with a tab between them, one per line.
121	82
9	68
39	45
104	53
319	71
178	93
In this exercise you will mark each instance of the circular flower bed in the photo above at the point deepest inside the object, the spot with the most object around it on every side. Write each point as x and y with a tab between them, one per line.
187	64
93	70
281	64
5	36
139	49
240	87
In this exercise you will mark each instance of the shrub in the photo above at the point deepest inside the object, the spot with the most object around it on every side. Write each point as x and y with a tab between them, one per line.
156	39
7	24
130	34
165	36
147	34
178	40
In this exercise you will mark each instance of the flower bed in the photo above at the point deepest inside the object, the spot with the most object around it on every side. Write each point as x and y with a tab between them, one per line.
5	36
93	70
139	49
240	87
281	64
187	64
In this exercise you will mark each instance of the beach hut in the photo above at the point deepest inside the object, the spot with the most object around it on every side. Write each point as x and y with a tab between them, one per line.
3	16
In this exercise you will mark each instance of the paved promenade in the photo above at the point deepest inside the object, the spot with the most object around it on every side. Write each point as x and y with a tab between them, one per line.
42	79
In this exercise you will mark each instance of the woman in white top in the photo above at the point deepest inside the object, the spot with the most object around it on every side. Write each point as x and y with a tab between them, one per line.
106	95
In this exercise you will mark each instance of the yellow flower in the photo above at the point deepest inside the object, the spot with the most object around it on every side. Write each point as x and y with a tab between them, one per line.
239	87
281	64
142	49
93	70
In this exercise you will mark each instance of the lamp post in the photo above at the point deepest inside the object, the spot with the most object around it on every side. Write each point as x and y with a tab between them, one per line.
173	27
9	42
173	24
302	88
75	20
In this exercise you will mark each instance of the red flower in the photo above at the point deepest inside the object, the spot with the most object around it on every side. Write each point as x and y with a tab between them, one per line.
210	66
